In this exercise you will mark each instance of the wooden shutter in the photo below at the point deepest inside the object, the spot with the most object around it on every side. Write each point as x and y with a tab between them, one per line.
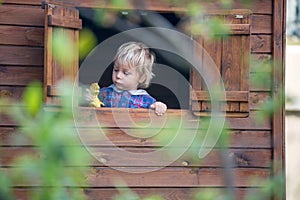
61	21
231	55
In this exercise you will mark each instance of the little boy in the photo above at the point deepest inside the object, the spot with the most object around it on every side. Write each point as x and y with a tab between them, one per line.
132	70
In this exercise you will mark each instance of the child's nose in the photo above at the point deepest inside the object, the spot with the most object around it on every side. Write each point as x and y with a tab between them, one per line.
119	75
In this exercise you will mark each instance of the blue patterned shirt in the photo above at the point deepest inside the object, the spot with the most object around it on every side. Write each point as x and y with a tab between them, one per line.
113	97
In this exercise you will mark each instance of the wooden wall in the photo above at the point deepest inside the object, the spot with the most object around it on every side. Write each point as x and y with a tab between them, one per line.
21	61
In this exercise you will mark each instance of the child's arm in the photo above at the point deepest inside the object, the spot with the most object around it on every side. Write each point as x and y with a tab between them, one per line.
159	108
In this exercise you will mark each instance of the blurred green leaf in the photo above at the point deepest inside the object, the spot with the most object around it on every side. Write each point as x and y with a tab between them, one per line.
64	50
87	41
153	197
33	98
5	187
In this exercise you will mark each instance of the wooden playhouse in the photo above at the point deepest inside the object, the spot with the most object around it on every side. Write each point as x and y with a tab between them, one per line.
257	148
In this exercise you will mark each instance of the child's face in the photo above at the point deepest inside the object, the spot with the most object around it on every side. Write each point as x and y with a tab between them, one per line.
124	77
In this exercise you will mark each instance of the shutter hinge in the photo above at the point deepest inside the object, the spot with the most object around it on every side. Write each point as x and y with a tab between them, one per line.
239	16
44	4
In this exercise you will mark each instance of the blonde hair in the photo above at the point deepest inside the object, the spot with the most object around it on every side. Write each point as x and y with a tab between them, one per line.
138	55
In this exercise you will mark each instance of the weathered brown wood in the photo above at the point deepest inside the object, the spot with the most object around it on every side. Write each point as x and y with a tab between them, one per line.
257	99
12	92
166	193
231	56
229	96
64	22
120	137
261	63
18	55
261	7
279	41
28	36
118	117
22	2
261	24
15	75
57	19
260	81
187	177
29	16
113	157
261	43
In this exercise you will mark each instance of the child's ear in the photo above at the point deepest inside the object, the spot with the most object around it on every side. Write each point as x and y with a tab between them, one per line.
142	79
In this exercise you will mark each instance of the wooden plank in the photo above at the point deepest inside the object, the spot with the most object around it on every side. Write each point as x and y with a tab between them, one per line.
258	99
261	43
12	92
229	96
121	137
278	123
166	193
261	63
15	75
115	157
260	81
231	68
134	118
257	6
64	22
17	35
17	55
30	16
261	24
22	2
118	117
7	136
186	177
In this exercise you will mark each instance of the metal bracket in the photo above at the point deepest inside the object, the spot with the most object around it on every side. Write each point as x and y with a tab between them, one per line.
239	16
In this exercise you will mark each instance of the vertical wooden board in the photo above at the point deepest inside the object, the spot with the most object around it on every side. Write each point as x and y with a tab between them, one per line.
245	40
213	50
195	78
231	62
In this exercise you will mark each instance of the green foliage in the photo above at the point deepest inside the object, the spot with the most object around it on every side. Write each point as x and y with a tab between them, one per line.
64	49
5	187
33	98
87	41
60	161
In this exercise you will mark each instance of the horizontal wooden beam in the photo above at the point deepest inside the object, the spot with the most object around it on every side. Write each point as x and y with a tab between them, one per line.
65	22
235	96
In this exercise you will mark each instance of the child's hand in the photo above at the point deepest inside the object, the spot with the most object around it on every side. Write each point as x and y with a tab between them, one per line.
88	95
159	108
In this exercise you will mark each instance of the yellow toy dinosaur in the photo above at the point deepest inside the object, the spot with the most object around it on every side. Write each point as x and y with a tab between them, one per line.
95	89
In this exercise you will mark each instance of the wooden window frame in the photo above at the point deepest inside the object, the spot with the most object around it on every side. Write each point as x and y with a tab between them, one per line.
54	72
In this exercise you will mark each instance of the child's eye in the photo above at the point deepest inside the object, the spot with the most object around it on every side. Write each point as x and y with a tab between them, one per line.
116	70
126	73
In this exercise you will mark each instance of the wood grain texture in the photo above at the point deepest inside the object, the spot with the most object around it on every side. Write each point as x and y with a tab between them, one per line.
23	2
187	177
257	6
92	137
164	177
279	43
22	15
12	92
15	75
167	193
22	36
18	55
114	157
